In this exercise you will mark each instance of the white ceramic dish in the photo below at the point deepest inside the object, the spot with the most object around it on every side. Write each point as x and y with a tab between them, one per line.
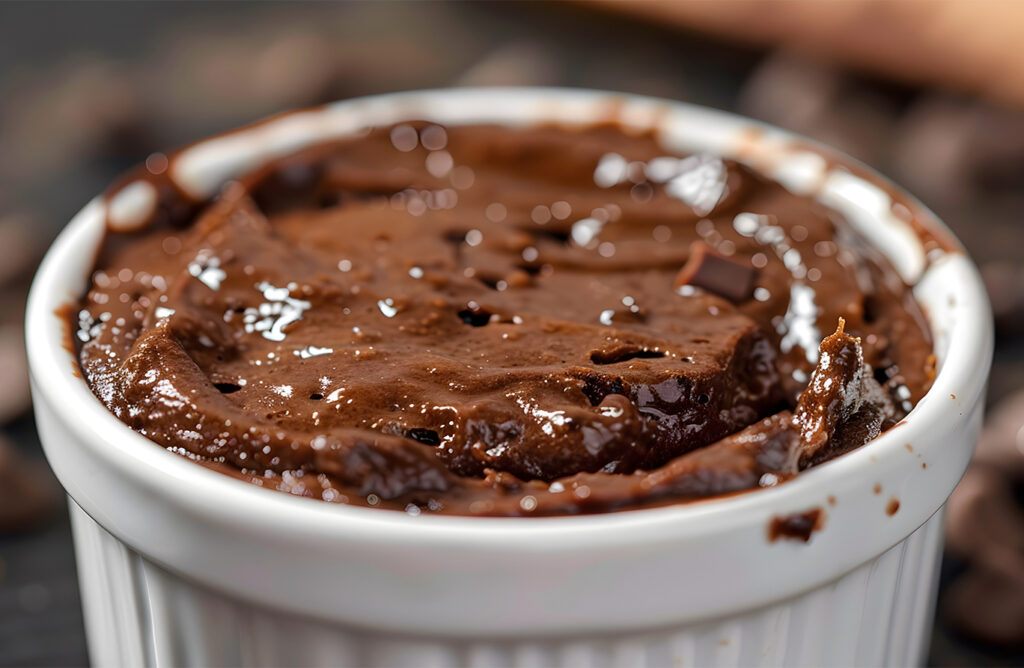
180	565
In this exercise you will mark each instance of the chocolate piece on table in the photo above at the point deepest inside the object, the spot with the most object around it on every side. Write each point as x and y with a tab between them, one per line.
1005	284
1002	440
14	392
985	528
986	605
718	274
822	101
29	494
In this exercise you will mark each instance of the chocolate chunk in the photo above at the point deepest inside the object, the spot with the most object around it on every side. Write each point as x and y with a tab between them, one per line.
986	605
984	523
1005	284
717	274
1002	441
834	392
985	529
840	386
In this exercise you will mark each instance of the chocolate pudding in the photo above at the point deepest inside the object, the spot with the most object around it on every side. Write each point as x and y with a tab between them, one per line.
485	320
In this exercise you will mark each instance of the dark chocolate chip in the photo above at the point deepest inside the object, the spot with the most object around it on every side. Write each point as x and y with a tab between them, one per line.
718	274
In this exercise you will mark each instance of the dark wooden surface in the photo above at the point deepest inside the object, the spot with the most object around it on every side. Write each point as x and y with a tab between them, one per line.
40	609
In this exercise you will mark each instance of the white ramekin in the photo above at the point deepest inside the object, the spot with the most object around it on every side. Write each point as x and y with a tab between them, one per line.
183	566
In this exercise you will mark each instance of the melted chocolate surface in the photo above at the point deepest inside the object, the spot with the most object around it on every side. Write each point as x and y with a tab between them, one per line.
493	321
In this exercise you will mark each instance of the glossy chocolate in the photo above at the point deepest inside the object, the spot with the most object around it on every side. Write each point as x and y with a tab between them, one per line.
490	321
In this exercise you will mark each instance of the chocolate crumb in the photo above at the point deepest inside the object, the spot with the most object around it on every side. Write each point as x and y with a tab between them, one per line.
798	526
892	507
842	391
717	274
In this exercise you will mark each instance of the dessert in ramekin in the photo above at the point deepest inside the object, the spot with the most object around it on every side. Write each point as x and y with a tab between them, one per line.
183	565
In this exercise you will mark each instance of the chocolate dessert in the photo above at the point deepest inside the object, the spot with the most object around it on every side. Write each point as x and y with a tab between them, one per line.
484	320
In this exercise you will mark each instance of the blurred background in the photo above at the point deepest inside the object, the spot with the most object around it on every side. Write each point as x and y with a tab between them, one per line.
929	93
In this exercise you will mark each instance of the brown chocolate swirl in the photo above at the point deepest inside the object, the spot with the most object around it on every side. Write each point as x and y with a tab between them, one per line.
487	320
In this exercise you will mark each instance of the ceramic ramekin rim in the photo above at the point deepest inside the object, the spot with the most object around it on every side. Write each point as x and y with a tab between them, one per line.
56	379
